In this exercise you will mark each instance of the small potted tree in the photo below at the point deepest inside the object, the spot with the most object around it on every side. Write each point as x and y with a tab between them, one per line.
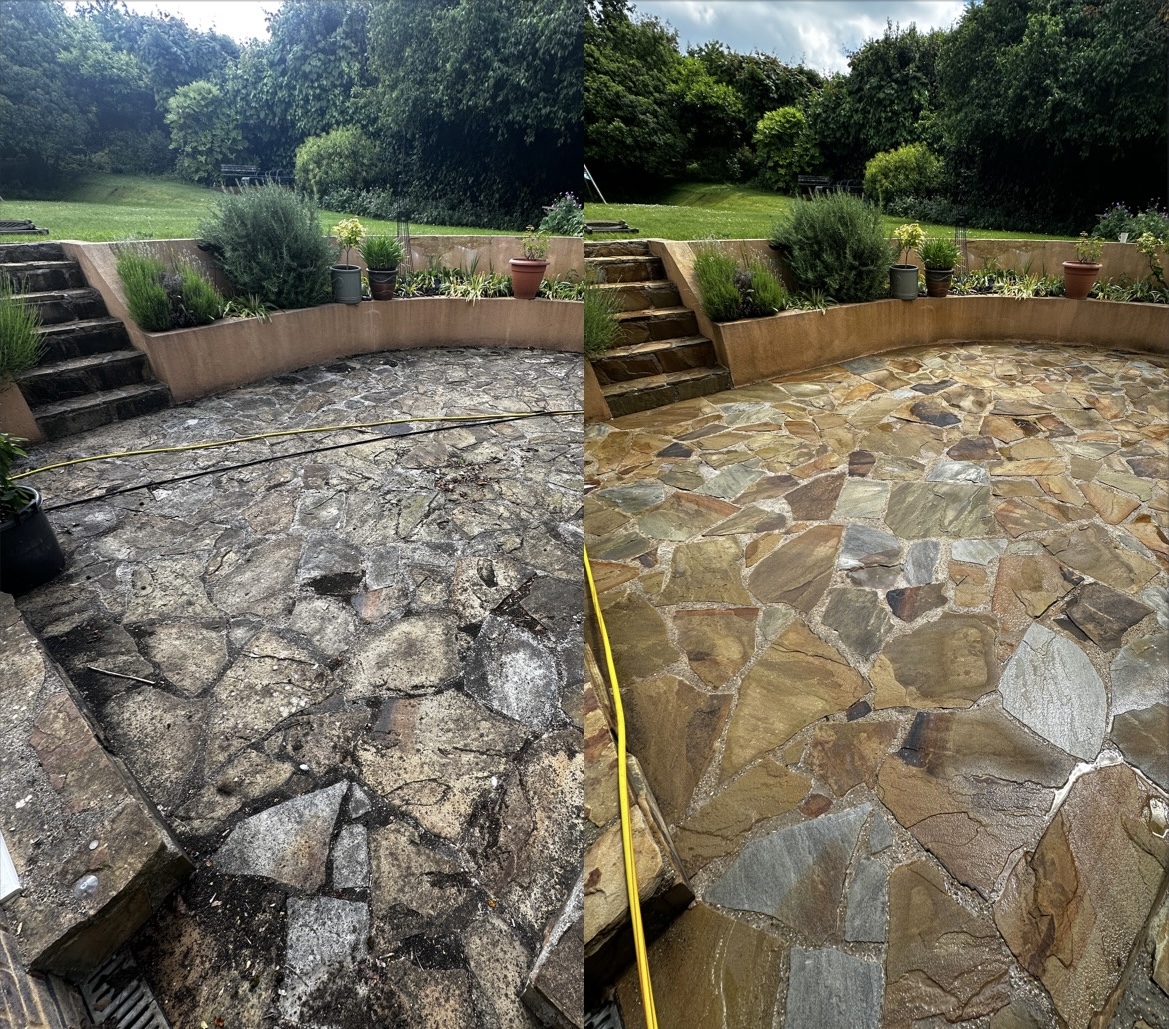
528	271
382	255
347	277
1079	276
29	552
903	276
939	255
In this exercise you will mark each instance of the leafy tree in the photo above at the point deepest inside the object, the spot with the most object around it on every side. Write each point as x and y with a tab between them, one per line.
203	131
762	81
343	157
712	116
784	148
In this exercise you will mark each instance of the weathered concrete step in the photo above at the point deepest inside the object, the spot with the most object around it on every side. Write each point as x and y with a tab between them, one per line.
626	269
623	364
22	252
33	276
66	305
79	376
668	388
61	791
67	417
660	323
643	296
89	336
616	248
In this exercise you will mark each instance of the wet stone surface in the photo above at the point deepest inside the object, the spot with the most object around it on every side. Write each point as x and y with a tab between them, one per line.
940	781
361	711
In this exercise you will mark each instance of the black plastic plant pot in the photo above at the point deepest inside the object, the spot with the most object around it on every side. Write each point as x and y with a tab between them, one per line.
29	552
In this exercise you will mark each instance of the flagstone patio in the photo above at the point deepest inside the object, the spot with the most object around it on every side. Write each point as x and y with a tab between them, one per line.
893	637
350	680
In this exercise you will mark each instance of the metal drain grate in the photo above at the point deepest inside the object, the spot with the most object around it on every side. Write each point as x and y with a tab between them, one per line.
118	998
605	1017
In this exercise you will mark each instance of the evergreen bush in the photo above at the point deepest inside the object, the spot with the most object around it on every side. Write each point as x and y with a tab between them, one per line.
343	158
912	170
268	242
835	244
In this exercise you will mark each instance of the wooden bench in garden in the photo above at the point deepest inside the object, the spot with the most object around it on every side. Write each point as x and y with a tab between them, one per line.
807	185
13	228
237	174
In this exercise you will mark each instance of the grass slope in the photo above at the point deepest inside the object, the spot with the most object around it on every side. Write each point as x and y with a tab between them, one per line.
698	210
101	208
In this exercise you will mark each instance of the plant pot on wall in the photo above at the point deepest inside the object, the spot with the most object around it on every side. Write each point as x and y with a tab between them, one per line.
346	283
903	281
382	283
1078	279
937	281
29	552
526	277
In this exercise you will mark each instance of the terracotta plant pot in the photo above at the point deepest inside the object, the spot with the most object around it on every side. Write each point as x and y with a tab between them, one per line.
903	282
346	284
525	277
1078	279
937	281
382	283
29	552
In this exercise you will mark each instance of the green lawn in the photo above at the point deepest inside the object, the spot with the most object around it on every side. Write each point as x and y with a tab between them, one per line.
100	208
699	210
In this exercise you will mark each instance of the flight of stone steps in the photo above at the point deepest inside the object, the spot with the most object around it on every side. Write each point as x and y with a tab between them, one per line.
661	358
90	374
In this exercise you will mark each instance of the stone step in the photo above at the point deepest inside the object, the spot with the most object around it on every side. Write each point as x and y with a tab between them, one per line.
79	376
24	252
658	324
616	248
67	305
67	417
88	336
33	1000
626	269
668	388
643	296
33	276
623	364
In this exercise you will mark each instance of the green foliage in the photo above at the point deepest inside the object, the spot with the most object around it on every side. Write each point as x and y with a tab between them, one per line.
1148	244
534	244
142	274
1118	219
783	148
911	170
732	289
250	306
1088	249
21	345
938	253
203	131
12	496
566	217
345	157
710	114
381	253
836	243
268	242
196	300
906	238
601	328
761	81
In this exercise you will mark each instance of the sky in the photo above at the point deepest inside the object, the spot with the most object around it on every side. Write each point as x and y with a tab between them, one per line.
820	33
240	19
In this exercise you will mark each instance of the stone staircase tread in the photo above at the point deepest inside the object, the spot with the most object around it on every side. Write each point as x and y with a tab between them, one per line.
634	285
140	389
653	312
78	363
60	294
654	346
657	381
82	324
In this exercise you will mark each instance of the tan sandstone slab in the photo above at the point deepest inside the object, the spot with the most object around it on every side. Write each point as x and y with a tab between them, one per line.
799	571
845	754
1091	551
642	647
717	643
946	663
707	571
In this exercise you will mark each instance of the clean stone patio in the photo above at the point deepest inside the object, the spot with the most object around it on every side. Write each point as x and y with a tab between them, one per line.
894	640
350	680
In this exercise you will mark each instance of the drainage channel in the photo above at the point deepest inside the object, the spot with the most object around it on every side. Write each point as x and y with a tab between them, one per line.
118	997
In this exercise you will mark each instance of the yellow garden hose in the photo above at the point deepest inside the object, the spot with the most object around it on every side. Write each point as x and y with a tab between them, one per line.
647	995
291	432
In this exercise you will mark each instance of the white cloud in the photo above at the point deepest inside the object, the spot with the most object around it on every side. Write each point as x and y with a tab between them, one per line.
240	19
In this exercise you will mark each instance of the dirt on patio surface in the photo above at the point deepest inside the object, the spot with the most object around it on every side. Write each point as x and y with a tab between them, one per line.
349	679
894	639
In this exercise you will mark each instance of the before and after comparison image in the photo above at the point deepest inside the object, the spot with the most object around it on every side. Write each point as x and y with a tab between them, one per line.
584	514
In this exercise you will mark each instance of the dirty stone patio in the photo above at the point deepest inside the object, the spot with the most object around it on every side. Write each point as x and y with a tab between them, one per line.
357	687
893	637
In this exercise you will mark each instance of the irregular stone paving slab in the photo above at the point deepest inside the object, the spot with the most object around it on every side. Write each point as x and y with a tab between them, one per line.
921	558
943	959
322	933
845	754
958	471
815	500
288	842
798	680
764	791
910	603
956	776
829	989
1028	584
979	552
1104	614
415	655
1090	550
954	510
868	903
643	647
946	663
1141	735
860	618
351	858
722	997
512	673
1072	909
799	571
706	571
1050	686
863	546
1138	672
684	515
752	519
717	643
795	875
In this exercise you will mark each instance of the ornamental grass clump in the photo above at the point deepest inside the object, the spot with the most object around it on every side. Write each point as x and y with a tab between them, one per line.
938	253
835	245
731	289
601	327
268	242
160	298
21	344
